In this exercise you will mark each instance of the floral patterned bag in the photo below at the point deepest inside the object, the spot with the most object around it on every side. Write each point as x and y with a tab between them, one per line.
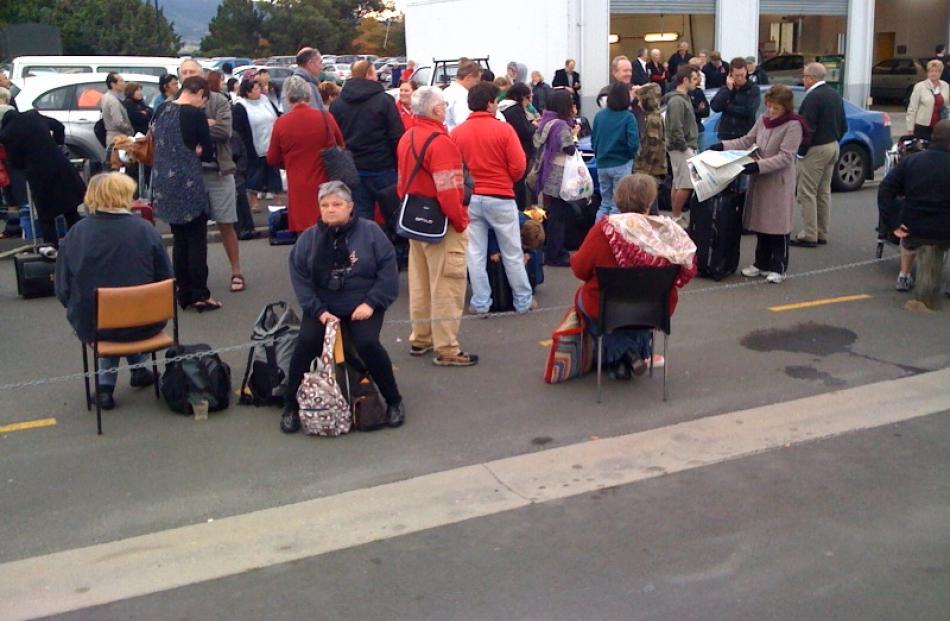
323	409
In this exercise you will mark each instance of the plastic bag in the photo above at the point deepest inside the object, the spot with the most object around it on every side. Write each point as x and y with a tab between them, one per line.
577	183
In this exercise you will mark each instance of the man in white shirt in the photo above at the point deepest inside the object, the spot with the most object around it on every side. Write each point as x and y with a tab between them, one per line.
456	93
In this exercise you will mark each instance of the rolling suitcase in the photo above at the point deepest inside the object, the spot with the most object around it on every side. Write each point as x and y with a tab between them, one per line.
35	274
715	226
502	299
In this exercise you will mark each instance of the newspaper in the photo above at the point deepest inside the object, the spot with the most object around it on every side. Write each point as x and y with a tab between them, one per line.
713	171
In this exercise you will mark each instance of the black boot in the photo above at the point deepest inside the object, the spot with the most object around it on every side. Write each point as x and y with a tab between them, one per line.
290	420
142	378
104	396
396	414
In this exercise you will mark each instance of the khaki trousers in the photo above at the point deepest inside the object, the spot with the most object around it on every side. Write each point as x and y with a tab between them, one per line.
437	290
814	190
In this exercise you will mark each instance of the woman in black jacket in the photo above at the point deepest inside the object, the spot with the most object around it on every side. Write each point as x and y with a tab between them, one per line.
514	108
140	114
343	268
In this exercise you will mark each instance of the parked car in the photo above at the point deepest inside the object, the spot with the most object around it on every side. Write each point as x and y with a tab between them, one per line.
277	74
787	68
236	61
444	71
73	100
283	61
895	78
34	66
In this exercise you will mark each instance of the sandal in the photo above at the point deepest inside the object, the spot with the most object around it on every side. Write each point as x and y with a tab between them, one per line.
208	305
237	283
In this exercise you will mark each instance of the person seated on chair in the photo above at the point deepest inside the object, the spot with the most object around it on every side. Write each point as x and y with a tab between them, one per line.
111	248
344	267
631	238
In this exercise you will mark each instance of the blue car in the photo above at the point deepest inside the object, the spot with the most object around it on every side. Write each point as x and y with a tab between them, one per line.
862	147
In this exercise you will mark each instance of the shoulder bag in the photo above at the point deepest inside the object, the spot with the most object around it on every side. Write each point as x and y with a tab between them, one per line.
421	217
337	160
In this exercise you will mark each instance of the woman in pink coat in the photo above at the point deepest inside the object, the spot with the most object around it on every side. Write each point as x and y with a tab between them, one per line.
770	201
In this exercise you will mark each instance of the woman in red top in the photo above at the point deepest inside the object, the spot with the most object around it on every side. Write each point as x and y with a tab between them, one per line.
630	239
404	103
296	141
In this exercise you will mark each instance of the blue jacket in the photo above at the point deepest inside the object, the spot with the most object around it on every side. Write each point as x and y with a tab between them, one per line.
373	277
615	138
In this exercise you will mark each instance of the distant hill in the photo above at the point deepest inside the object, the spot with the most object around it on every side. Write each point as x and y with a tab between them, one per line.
190	17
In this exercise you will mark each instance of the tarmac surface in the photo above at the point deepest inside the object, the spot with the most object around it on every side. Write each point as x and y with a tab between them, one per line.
741	539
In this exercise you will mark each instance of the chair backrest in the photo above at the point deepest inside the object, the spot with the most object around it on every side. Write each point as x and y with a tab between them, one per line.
635	297
133	307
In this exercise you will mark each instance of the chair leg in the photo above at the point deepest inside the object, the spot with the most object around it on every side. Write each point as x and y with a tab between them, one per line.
85	379
600	363
666	364
155	373
95	362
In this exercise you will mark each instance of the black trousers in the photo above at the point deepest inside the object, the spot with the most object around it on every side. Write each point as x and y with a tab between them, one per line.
923	131
554	226
190	260
771	253
363	336
245	223
50	236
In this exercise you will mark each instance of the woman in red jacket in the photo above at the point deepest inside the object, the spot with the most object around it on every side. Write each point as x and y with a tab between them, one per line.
296	141
404	103
630	239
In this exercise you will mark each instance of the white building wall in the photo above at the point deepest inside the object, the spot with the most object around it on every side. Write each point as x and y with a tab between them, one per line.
737	28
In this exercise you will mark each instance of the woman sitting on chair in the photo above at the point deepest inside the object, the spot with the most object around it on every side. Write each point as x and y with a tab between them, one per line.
630	239
111	248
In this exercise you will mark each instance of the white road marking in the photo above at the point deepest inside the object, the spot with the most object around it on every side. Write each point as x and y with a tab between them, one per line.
80	578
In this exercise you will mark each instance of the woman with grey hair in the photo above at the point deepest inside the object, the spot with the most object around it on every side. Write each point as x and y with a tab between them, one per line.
343	268
296	141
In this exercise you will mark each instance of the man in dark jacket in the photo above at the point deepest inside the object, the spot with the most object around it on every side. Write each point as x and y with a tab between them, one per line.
715	71
823	110
738	101
641	75
757	74
924	216
371	126
682	55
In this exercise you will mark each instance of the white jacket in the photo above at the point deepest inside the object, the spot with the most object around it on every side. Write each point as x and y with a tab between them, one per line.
921	106
456	105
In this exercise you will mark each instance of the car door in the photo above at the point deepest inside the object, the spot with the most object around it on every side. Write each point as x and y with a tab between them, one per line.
84	112
904	76
882	80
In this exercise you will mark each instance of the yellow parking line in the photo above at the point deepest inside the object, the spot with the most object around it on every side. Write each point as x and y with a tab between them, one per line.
822	302
29	424
546	343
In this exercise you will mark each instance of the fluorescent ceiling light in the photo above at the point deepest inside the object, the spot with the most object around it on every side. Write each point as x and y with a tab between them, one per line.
614	38
655	37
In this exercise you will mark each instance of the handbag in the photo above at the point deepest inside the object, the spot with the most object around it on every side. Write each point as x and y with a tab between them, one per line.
577	183
337	160
572	350
421	217
143	151
322	408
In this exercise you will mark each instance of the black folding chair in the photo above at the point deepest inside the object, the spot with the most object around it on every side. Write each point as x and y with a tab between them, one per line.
634	298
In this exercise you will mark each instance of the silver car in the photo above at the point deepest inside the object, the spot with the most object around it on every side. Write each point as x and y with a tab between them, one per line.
73	100
787	68
895	78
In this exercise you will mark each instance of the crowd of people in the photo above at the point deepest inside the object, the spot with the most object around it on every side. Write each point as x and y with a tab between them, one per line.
484	151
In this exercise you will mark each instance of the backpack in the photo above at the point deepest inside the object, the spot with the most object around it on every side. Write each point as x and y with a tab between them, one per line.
203	378
278	232
268	362
321	405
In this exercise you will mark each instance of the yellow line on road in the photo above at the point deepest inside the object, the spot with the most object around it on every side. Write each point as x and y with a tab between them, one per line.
29	424
822	302
546	343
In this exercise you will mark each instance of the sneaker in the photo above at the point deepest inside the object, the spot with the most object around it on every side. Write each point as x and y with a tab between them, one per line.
415	350
905	282
481	314
142	378
396	415
637	366
460	359
752	272
290	421
682	221
531	307
775	278
658	361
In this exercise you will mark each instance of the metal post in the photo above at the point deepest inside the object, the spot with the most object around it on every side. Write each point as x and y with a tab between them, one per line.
600	362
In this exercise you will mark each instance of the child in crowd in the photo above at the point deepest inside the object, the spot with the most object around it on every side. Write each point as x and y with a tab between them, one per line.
532	243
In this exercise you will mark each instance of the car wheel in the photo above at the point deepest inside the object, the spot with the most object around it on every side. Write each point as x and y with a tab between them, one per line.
850	170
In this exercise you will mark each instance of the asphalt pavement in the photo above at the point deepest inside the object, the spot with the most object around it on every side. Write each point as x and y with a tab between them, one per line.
842	326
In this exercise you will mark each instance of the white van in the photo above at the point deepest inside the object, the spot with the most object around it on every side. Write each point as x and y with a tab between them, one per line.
25	67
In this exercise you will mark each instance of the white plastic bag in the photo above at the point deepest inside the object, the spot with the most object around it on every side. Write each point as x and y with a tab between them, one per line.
577	183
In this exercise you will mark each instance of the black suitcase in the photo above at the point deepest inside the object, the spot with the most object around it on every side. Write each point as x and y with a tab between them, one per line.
715	226
502	299
35	275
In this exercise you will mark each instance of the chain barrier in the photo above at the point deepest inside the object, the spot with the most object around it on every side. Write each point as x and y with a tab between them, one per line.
489	317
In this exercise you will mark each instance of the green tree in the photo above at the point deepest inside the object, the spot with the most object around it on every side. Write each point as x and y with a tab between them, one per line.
234	31
373	37
328	25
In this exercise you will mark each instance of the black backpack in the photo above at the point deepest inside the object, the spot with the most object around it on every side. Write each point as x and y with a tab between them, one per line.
268	362
203	378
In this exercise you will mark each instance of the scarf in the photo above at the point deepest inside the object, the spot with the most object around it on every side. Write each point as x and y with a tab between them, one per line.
551	148
785	118
332	252
629	234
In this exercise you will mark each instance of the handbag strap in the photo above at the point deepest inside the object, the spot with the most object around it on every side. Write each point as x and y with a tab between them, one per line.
329	342
419	156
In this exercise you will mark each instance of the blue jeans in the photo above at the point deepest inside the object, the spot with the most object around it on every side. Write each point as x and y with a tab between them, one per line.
109	362
364	195
619	342
501	215
608	179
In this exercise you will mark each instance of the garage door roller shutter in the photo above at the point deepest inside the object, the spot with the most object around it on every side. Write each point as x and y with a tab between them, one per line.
803	7
667	7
